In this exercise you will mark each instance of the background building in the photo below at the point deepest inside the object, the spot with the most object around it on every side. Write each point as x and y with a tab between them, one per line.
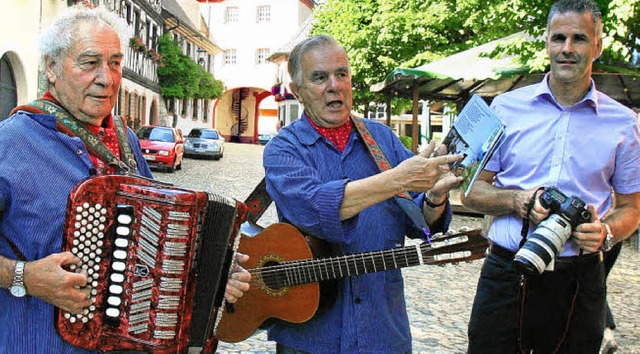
249	31
139	100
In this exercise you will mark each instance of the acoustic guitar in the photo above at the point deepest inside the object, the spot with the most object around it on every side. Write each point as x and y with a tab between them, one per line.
286	276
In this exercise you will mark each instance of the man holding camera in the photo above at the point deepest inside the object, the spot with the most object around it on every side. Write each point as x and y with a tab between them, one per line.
542	287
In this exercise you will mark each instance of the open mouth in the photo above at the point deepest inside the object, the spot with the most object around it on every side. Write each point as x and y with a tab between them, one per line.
334	104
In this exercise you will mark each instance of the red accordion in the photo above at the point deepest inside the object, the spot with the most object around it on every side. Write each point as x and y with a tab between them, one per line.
158	258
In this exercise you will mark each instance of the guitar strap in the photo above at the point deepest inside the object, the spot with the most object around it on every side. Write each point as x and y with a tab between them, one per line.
257	202
90	140
403	199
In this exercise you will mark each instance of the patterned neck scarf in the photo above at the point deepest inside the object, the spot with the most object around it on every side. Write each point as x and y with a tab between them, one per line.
338	136
106	133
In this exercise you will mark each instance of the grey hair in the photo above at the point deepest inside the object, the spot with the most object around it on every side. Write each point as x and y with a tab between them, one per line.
302	48
61	36
578	6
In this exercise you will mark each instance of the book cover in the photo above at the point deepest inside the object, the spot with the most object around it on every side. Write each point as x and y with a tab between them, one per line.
476	133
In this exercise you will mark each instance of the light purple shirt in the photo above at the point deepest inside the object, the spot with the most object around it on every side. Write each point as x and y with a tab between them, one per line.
583	150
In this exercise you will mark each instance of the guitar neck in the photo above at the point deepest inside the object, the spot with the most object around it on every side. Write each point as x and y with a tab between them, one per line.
315	270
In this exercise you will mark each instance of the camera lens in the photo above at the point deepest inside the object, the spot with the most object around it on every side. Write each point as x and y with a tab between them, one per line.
543	245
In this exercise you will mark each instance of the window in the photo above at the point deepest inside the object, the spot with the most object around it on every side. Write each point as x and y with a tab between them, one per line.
261	55
377	111
230	57
231	15
263	14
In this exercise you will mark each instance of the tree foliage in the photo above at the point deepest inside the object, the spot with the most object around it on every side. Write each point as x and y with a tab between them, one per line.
180	77
381	35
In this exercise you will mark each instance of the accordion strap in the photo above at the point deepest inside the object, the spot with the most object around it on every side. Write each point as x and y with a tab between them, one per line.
91	141
403	199
15	249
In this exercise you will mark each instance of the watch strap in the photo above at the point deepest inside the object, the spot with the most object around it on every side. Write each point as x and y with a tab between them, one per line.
431	204
18	273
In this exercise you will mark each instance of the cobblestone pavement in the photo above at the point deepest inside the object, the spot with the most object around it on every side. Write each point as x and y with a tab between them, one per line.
438	298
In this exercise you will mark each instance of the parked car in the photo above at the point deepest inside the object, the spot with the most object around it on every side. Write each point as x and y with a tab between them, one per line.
162	147
204	142
263	139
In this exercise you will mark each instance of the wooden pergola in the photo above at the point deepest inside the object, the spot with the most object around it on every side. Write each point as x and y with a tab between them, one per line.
458	77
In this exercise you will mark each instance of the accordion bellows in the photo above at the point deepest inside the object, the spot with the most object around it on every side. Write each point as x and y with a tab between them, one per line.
158	258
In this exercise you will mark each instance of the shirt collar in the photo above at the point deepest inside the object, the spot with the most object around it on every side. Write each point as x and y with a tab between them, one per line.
308	135
590	99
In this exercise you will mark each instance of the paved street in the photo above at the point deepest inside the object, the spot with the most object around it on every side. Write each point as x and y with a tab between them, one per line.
438	297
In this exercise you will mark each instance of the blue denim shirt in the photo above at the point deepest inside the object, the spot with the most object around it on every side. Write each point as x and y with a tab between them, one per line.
306	176
38	167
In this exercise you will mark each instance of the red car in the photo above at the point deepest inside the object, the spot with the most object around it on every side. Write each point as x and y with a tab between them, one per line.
162	147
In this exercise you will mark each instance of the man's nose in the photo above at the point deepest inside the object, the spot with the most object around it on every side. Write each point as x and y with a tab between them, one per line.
568	46
104	75
333	83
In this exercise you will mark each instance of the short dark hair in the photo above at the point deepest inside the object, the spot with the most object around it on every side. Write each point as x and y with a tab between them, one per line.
578	6
307	45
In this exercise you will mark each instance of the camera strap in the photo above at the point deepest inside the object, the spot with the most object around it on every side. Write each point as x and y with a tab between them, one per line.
525	222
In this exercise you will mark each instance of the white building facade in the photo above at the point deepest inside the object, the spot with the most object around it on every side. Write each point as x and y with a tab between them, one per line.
249	32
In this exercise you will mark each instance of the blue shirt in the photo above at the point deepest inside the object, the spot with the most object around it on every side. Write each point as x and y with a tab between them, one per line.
583	150
306	176
38	168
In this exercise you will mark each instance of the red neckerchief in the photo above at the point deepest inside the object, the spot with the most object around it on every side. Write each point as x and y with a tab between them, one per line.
106	133
338	136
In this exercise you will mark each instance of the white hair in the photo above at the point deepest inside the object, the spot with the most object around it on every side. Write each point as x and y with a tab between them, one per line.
61	36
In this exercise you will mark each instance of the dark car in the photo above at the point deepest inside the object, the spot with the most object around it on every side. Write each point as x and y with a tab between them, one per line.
162	147
263	139
204	142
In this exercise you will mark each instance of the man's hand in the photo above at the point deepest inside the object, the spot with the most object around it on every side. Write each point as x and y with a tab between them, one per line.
590	236
47	280
521	200
421	172
238	281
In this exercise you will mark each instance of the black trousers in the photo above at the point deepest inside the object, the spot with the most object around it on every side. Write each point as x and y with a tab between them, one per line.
562	311
610	258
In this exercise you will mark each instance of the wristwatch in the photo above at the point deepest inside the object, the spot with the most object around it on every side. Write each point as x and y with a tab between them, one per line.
17	288
608	239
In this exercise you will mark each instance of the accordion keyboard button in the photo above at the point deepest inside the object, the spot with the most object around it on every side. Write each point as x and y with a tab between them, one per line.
123	231
111	312
118	266
121	242
117	278
115	289
114	301
124	219
120	254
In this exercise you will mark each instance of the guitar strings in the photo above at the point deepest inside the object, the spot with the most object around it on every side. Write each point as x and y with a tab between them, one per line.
310	270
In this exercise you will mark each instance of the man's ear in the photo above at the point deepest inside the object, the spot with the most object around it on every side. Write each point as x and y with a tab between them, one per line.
598	48
50	70
295	90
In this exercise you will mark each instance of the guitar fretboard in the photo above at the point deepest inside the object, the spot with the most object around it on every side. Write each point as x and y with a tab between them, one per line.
315	270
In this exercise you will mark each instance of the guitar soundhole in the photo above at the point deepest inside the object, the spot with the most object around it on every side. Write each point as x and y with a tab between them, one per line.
272	278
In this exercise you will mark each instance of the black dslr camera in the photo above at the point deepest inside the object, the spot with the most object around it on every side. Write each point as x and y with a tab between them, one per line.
551	235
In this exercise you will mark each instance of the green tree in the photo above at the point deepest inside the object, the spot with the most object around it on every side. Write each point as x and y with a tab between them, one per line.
180	77
380	35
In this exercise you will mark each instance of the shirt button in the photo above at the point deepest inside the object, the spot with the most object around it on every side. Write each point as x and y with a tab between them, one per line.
79	152
357	300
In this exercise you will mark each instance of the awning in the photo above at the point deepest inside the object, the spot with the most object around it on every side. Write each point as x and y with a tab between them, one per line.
457	77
